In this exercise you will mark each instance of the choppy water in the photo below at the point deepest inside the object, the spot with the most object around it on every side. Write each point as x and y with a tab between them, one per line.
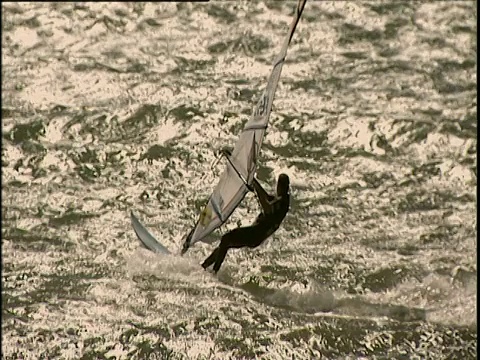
113	107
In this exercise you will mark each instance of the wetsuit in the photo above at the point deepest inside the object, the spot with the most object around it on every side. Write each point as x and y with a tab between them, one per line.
274	210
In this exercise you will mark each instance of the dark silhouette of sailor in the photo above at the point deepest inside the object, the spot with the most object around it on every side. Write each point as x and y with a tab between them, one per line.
274	210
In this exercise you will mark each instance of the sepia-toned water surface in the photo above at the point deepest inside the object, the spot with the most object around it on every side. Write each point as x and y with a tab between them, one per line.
112	107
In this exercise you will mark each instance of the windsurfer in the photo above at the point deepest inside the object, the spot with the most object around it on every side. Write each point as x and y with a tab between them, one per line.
274	210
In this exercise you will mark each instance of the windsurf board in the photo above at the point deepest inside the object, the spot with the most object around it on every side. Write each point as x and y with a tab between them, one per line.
146	237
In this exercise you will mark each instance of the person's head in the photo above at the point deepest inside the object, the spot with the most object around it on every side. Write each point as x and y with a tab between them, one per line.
283	184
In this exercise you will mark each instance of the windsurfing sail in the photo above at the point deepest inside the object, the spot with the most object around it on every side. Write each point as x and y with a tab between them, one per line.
235	182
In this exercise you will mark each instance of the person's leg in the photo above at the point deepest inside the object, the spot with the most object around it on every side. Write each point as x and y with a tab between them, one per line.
223	248
211	259
221	253
237	238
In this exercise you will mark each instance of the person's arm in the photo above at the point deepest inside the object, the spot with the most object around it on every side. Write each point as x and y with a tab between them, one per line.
264	198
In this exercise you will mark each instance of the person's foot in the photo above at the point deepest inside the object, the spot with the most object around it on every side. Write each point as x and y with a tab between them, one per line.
205	266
